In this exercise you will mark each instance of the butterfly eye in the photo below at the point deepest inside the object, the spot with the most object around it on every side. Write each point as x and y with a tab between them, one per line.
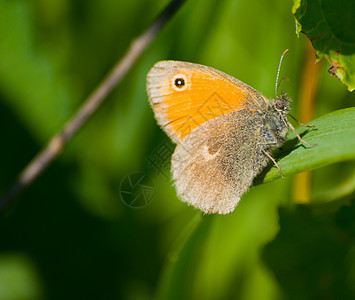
279	104
179	82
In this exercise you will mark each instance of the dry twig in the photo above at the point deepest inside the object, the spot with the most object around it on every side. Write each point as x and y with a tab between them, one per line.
57	143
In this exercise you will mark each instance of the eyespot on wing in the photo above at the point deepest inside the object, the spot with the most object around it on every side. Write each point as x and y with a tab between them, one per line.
186	95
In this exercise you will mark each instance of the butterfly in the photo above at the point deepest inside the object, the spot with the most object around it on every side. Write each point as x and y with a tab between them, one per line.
225	131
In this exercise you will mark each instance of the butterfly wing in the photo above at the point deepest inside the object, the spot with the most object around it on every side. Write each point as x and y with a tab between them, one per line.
218	161
186	95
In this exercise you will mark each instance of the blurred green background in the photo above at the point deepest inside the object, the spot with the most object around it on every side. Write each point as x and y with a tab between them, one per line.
70	235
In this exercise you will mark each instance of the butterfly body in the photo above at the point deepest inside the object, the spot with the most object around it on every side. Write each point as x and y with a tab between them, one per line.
225	131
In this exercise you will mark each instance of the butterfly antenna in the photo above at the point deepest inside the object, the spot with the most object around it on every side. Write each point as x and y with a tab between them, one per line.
278	71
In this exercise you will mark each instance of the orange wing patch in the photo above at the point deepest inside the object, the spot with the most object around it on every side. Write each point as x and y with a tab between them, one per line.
185	95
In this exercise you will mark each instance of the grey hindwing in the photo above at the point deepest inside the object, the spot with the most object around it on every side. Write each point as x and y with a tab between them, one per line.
218	161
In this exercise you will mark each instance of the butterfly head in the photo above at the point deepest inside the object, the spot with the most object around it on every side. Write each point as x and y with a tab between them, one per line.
281	104
276	116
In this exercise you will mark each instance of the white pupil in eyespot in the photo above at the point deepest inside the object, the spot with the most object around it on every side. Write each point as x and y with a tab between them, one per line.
179	82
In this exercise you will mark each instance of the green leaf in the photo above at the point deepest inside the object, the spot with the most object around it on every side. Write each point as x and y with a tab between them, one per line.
330	26
179	265
334	135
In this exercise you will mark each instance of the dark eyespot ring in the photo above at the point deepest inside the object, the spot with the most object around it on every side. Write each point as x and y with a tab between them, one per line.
179	82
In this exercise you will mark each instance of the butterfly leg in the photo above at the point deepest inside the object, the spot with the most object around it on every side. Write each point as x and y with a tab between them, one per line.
268	141
300	123
299	137
274	161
